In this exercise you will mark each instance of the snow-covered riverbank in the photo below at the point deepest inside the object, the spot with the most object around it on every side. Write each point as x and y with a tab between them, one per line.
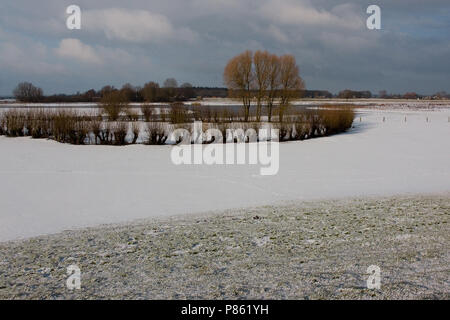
47	187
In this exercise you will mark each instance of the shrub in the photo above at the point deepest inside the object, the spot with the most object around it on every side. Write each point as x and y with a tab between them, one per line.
97	131
103	132
215	115
113	103
14	123
62	124
302	130
157	133
336	120
132	115
223	129
120	131
163	114
248	127
2	132
38	123
178	113
227	115
78	132
188	127
202	113
285	130
147	112
135	129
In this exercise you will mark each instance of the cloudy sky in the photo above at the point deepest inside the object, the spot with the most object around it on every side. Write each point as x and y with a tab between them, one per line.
140	40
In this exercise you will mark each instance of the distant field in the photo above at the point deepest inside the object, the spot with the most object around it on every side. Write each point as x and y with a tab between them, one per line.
391	103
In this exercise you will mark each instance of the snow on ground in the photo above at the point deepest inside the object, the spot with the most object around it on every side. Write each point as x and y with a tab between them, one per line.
47	187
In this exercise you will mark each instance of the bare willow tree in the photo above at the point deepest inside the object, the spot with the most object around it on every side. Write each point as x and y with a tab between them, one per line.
268	76
238	77
290	82
27	92
273	83
262	69
170	83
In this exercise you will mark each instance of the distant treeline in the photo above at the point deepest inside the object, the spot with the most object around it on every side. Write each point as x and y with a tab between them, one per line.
150	92
171	92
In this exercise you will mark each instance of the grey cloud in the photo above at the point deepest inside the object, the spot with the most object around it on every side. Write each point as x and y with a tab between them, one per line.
191	40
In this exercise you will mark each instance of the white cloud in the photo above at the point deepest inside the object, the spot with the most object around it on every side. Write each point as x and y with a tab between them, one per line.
277	34
75	49
298	13
324	35
138	26
27	58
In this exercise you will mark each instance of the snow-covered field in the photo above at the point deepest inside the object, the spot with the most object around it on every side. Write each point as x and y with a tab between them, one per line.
47	187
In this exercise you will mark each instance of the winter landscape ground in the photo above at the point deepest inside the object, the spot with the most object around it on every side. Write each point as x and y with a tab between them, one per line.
299	250
389	176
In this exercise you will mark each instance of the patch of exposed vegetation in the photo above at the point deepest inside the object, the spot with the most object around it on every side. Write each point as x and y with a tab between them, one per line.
314	250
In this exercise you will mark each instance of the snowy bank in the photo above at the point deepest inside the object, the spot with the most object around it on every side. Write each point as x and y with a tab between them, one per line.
47	187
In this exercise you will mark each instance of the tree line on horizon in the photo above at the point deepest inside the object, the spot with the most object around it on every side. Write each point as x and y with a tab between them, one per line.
150	92
171	92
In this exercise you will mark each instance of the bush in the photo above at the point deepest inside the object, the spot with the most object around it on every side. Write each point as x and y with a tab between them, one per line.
97	130
113	103
78	132
157	133
285	130
14	123
163	114
147	112
336	120
302	131
120	131
102	132
135	129
201	113
2	132
63	123
38	123
178	113
132	115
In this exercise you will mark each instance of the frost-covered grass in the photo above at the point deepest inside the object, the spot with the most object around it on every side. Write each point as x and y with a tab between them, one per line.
312	250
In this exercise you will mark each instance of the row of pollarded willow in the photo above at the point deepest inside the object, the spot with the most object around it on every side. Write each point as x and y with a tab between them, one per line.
75	127
266	77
